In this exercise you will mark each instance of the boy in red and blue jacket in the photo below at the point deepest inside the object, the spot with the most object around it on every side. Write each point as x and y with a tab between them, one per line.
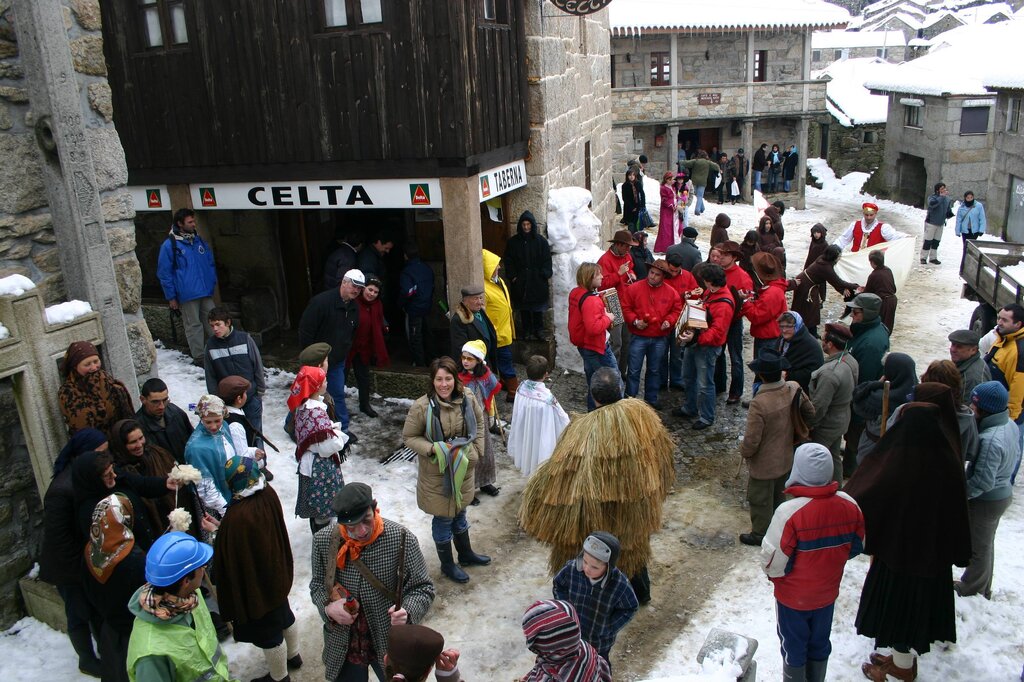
809	541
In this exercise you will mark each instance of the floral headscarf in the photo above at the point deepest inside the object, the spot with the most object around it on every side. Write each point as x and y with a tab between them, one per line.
307	382
110	536
210	404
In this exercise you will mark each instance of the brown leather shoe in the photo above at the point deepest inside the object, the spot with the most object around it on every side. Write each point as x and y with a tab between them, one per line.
881	672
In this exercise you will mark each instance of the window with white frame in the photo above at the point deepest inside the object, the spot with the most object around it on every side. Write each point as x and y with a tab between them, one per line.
351	13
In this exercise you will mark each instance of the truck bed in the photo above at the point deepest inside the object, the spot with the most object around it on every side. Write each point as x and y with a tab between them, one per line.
988	273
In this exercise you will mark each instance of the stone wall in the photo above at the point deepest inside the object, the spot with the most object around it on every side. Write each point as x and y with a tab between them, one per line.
569	88
961	161
27	243
894	54
21	511
1007	160
849	149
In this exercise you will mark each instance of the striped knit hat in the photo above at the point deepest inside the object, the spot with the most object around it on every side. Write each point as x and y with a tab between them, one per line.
552	632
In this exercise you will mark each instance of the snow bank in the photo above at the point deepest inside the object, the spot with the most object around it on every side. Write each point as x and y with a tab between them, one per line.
575	234
15	285
5	333
66	312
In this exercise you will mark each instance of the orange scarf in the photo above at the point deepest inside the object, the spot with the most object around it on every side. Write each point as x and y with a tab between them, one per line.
352	547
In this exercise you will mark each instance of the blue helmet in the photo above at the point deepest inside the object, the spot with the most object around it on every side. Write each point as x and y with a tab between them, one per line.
173	556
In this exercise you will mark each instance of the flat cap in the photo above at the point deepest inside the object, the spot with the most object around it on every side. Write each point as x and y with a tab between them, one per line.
229	388
472	290
690	232
351	502
965	337
839	329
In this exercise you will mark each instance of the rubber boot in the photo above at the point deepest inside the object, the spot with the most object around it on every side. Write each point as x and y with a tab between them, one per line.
511	386
81	640
791	674
816	670
641	583
467	557
448	565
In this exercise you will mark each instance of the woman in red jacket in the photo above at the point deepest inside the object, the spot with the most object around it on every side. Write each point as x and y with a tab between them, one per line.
589	323
368	342
764	306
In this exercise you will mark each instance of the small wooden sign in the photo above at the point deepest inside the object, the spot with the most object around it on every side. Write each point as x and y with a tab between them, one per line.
709	98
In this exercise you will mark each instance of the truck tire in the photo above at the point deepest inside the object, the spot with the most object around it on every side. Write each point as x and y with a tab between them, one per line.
983	319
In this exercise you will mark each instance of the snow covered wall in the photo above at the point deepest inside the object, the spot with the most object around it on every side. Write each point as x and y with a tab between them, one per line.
574	232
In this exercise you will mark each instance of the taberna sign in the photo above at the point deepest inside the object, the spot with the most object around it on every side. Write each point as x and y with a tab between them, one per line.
498	181
317	194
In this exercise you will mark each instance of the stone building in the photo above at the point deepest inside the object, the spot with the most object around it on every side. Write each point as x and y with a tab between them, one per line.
1005	206
66	223
518	107
831	46
940	122
854	138
694	77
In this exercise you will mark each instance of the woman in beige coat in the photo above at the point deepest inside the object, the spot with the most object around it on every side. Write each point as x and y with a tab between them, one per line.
445	428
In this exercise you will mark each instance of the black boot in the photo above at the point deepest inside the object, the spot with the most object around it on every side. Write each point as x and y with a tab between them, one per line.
368	411
448	565
81	640
641	583
467	557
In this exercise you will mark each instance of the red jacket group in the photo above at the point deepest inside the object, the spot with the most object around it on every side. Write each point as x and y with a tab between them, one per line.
763	311
610	264
808	543
588	323
653	305
720	306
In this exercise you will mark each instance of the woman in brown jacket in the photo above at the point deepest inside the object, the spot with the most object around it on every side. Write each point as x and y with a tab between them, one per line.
445	428
807	287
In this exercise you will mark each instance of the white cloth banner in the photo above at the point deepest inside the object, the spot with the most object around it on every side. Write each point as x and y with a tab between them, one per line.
899	257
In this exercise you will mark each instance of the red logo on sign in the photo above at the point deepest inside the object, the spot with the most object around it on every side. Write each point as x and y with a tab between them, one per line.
208	196
420	195
153	199
485	186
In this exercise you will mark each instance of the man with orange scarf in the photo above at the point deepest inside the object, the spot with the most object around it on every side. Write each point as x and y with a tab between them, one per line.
367	574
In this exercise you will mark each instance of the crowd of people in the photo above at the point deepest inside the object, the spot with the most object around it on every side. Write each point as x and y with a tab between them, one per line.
165	538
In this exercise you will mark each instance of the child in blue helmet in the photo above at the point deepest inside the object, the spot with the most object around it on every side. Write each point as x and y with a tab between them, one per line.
173	636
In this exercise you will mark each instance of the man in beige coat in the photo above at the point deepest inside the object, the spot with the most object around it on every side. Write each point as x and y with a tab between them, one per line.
768	441
446	429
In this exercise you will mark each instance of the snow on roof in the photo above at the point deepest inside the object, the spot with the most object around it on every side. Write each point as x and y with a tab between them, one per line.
836	39
633	17
912	22
846	97
969	59
982	13
936	17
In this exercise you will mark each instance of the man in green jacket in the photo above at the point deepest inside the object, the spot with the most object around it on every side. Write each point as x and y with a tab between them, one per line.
869	345
699	170
173	638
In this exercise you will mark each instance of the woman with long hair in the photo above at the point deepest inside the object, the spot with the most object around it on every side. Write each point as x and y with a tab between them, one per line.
667	218
590	323
633	198
445	428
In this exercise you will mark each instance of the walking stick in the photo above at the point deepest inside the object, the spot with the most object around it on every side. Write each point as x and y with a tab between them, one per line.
885	408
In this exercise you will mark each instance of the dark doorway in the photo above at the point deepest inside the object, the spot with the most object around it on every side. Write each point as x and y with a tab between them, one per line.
823	150
693	139
1015	211
911	180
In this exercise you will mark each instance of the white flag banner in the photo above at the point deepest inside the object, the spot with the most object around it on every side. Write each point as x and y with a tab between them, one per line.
853	266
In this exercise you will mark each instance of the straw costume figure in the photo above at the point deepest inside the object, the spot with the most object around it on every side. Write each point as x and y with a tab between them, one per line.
611	470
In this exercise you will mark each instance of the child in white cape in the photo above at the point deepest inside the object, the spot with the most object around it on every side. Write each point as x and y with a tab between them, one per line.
537	419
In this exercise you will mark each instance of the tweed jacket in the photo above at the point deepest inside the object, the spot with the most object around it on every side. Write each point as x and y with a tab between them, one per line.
381	558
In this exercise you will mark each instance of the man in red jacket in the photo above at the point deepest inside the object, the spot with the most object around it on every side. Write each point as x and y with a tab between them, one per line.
804	552
704	346
766	304
617	268
651	309
682	281
736	279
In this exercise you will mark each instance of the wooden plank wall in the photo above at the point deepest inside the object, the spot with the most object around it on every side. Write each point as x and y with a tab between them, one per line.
261	86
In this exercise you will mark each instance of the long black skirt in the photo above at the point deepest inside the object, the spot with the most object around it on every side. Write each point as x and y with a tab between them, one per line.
266	632
901	610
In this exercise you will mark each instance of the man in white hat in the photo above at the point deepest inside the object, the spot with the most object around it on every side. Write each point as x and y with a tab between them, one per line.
332	317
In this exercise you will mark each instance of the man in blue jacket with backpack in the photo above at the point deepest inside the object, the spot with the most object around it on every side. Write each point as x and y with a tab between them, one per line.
188	277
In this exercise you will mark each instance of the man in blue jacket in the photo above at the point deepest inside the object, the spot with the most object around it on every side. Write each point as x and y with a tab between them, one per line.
188	276
416	293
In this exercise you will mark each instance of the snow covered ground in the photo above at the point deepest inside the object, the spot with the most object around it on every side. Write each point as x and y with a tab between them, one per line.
482	618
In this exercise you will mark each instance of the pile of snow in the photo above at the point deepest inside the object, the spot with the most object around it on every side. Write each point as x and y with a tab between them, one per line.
66	312
831	186
15	285
5	333
847	98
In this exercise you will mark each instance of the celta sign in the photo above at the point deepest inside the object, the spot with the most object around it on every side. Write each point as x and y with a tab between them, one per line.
317	194
150	198
498	181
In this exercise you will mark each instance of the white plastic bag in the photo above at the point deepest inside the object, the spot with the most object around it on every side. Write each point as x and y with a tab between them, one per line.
735	188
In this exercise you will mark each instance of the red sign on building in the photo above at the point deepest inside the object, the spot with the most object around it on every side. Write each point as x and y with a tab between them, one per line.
208	196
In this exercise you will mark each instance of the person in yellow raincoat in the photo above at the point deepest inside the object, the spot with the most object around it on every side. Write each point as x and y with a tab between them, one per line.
499	311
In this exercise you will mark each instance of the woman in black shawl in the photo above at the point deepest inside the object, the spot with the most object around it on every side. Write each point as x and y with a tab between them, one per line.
911	489
901	373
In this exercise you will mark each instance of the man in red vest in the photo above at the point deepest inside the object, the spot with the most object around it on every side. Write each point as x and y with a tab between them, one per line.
867	232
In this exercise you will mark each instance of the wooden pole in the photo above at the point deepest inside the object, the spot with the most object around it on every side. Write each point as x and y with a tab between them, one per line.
885	408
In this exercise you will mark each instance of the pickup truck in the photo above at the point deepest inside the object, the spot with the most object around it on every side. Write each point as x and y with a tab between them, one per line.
991	280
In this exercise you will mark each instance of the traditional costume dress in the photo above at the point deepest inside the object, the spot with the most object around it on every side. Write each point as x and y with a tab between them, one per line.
484	386
537	422
861	234
320	443
207	452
